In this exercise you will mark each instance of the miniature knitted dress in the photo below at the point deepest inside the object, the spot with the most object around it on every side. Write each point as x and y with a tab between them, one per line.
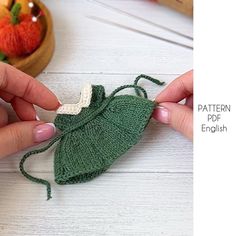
95	132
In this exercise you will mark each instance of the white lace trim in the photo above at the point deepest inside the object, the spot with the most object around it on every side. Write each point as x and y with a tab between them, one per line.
84	101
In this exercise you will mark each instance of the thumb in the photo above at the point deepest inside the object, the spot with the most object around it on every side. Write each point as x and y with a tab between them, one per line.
20	135
179	117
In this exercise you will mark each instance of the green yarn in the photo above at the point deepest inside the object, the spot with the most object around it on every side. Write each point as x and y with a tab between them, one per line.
155	81
92	140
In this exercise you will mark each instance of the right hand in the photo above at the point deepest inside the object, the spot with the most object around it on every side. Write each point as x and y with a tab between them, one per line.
169	111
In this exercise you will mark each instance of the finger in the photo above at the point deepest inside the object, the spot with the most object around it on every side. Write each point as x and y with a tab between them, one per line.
3	117
24	110
18	136
179	89
179	117
21	85
7	97
189	102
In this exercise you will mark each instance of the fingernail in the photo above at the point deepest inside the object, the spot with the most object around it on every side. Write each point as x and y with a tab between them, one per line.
59	104
37	118
44	132
161	114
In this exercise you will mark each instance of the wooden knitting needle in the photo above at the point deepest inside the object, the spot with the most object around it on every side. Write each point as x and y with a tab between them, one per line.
139	31
142	19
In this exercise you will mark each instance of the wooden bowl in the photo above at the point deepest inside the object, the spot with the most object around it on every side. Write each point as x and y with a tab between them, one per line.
39	59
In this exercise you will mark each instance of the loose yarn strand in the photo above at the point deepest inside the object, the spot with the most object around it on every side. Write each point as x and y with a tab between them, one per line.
135	86
30	177
142	76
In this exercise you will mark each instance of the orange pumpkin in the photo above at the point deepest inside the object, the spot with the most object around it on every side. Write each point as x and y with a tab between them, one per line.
19	35
4	12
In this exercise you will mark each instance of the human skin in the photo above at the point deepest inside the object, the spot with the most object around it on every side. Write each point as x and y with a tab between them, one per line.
169	111
23	92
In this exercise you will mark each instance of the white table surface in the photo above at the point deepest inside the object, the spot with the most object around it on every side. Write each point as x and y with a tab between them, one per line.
149	190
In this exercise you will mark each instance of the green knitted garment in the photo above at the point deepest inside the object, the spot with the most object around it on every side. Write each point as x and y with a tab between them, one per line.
92	140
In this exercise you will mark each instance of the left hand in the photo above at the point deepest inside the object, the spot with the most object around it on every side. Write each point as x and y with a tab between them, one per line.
23	92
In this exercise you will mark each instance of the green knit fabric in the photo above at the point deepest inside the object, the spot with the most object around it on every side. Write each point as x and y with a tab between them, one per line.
89	150
92	140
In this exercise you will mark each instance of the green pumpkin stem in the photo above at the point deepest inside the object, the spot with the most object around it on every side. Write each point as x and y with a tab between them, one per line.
15	12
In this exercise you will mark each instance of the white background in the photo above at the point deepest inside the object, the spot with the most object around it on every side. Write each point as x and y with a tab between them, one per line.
215	154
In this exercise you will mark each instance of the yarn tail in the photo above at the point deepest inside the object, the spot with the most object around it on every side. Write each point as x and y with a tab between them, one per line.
34	179
142	76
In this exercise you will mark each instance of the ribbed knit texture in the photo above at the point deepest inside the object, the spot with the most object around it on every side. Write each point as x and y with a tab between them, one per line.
88	151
